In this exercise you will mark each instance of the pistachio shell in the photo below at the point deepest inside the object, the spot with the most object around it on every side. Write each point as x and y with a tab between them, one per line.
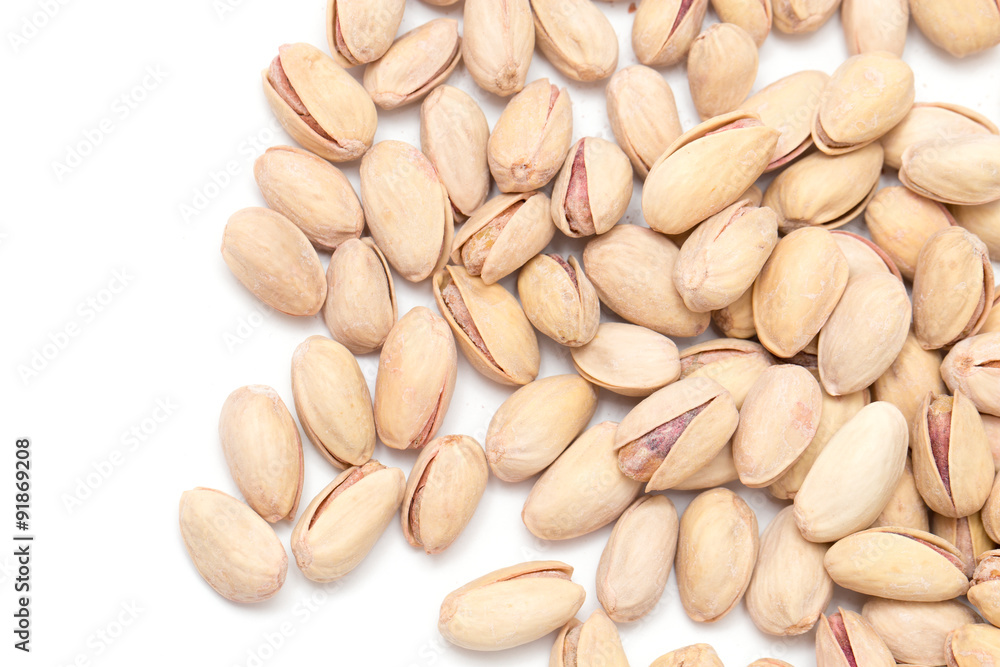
878	25
974	645
984	222
498	39
594	643
973	367
754	16
909	378
582	205
900	222
576	37
643	115
415	64
720	470
863	256
985	590
967	534
663	30
848	639
960	27
736	319
915	632
559	300
734	364
906	509
695	655
991	512
627	359
721	68
360	307
788	105
961	170
360	31
939	121
799	16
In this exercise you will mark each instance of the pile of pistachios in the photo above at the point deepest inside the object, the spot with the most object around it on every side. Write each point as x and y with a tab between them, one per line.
856	378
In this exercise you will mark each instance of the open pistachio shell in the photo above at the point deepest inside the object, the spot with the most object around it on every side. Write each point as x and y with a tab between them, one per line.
788	105
415	64
559	299
973	367
593	189
663	30
360	31
846	639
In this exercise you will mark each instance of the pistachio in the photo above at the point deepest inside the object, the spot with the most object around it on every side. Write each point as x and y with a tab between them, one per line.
967	534
511	606
663	30
407	209
875	26
627	359
643	115
900	222
909	378
939	121
799	16
863	256
234	549
415	381
359	32
695	655
735	147
312	193
952	288
453	136
769	662
415	64
360	307
754	16
576	37
560	301
499	38
734	364
583	490
635	563
443	491
788	105
583	206
974	645
991	512
503	234
992	426
962	170
915	632
721	69
984	222
343	522
529	141
846	638
274	260
947	24
906	508
984	593
319	104
675	432
720	470
492	330
590	644
973	367
736	319
332	401
262	448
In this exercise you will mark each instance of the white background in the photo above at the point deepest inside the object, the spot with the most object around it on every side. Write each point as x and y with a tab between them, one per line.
108	548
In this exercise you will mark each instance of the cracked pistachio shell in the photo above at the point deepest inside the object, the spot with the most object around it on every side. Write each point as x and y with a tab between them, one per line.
576	37
627	359
319	104
631	268
788	105
790	587
583	490
312	193
939	121
443	491
754	16
360	307
662	30
967	534
453	136
498	40
983	221
332	401
235	550
415	381
800	16
973	645
503	234
915	632
360	31
864	461
875	25
593	188
823	190
675	432
960	170
695	655
720	470
559	299
735	147
407	209
643	115
530	139
898	564
734	364
907	381
721	69
594	643
511	606
846	639
723	255
492	331
778	420
415	64
973	367
523	438
952	462
863	256
718	535
864	334
263	450
905	508
636	561
900	222
798	289
960	27
736	319
274	260
984	593
343	522
952	288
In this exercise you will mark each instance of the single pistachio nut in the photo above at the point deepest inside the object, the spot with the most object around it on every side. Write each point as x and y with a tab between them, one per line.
900	222
799	16
576	37
915	632
453	136
416	63
415	380
863	256
721	69
582	205
559	300
734	364
736	319
360	31
627	359
720	470
498	40
443	491
407	208
984	222
523	438
319	104
754	16
675	432
846	638
913	374
274	260
875	26
312	193
938	121
973	645
530	139
984	593
333	402
234	550
360	307
967	534
962	170
492	331
636	561
973	367
511	606
643	115
906	507
263	450
662	30
594	643
503	234
343	522
960	27
788	105
695	655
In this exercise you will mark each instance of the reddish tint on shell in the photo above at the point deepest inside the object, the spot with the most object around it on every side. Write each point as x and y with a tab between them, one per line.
736	125
568	268
952	558
356	476
939	431
283	87
641	458
453	300
681	13
577	202
477	248
840	634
